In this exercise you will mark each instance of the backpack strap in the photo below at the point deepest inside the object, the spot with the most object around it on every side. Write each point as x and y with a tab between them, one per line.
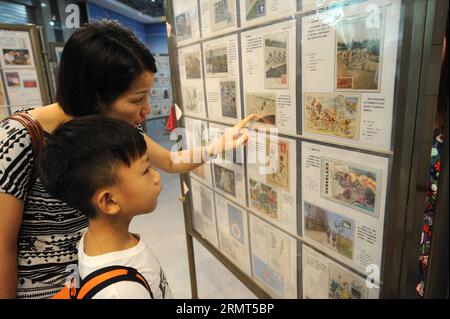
104	277
36	132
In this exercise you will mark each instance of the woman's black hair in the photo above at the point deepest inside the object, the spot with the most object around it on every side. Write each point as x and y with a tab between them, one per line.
98	64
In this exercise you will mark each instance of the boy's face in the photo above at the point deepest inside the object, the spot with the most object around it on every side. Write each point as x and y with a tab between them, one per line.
139	187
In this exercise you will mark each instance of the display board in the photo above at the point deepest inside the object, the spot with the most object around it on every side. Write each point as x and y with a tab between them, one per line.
348	73
310	220
160	97
269	75
197	136
222	79
22	83
56	49
186	15
191	77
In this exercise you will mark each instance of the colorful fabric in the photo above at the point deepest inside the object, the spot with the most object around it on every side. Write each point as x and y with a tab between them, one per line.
430	211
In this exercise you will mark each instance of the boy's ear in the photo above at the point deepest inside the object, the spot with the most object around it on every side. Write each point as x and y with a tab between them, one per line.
105	202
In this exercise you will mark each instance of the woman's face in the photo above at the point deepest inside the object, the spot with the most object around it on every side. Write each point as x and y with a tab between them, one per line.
132	106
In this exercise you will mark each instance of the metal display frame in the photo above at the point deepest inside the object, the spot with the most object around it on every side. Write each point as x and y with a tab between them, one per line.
40	59
54	64
407	165
160	116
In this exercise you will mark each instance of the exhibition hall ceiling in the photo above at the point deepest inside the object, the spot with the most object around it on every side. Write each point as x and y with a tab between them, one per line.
154	8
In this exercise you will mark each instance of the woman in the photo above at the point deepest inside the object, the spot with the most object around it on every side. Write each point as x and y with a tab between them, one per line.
105	70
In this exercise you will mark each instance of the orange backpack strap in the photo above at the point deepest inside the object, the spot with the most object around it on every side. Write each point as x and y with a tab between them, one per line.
102	278
65	293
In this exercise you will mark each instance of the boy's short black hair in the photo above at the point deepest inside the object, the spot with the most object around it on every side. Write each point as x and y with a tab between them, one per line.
98	64
82	155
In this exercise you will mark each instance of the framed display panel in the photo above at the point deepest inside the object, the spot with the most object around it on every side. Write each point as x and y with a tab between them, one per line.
272	186
264	11
325	279
56	49
269	75
197	136
222	79
217	17
160	97
228	169
354	103
348	128
343	203
23	77
232	224
191	75
204	218
274	259
186	20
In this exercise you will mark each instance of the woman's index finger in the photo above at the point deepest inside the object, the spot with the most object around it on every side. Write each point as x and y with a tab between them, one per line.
247	119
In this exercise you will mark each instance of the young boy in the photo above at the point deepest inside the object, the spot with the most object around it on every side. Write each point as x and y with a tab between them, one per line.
106	176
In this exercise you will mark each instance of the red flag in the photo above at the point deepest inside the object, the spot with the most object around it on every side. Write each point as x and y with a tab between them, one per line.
171	121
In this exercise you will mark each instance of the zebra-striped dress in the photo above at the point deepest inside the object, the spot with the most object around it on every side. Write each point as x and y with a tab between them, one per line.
50	229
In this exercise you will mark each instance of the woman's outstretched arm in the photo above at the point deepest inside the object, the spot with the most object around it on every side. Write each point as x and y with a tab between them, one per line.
163	159
11	211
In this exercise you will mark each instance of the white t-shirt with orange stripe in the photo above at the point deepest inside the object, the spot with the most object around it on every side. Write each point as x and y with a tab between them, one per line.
140	257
